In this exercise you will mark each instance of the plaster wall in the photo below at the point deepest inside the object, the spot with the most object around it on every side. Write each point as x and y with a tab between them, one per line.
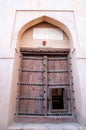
82	64
5	86
28	40
13	16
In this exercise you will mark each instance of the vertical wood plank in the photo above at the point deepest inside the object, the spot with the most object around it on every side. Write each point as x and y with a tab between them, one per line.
19	87
45	87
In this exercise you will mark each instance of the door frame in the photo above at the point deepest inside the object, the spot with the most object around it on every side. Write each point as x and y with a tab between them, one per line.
41	119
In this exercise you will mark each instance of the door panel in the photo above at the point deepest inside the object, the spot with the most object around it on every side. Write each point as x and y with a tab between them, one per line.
58	78
31	85
58	70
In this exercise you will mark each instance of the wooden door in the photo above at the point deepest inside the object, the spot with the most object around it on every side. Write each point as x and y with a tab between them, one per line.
31	86
58	82
44	87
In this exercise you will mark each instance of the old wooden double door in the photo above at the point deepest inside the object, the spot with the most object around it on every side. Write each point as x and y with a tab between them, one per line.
44	85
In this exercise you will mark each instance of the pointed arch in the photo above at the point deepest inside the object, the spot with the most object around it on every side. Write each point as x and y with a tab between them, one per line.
48	20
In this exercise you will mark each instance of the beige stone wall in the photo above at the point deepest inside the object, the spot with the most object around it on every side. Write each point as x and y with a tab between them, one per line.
13	16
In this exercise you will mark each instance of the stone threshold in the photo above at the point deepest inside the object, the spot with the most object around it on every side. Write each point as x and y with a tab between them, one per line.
46	126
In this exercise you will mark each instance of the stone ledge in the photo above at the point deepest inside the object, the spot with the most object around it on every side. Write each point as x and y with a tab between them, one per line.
46	126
